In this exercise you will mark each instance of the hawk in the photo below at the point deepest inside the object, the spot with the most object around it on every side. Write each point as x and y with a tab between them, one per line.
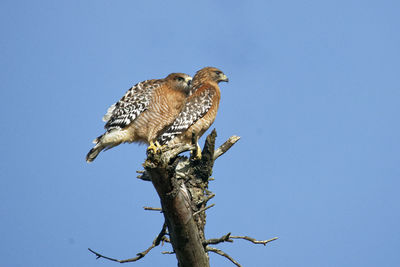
200	108
143	112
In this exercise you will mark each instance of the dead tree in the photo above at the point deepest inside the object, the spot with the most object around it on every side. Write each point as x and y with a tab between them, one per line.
182	185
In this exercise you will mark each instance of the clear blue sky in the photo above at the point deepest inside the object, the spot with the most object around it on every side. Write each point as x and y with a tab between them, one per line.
314	93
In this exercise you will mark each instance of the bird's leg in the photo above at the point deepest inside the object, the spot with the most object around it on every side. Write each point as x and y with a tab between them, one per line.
196	153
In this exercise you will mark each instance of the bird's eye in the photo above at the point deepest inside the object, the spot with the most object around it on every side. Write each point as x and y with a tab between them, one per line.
180	79
218	72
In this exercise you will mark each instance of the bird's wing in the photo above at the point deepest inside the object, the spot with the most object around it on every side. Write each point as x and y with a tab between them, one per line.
131	105
195	108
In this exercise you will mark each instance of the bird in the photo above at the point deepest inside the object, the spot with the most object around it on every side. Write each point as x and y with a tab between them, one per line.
199	111
143	113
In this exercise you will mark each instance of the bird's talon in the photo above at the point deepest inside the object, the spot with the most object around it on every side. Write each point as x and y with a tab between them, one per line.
198	156
156	148
152	147
198	153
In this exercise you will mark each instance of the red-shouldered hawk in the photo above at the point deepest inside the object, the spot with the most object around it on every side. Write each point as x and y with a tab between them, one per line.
200	108
143	112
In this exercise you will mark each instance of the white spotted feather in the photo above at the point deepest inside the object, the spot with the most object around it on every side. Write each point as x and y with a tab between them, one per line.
194	109
109	113
131	105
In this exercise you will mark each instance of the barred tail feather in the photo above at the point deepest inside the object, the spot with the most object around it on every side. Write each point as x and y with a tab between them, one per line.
106	141
94	152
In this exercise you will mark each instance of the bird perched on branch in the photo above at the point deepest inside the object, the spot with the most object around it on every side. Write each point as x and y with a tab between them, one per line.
143	113
199	111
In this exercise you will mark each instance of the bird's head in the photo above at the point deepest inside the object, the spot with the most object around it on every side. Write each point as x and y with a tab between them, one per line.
180	81
211	73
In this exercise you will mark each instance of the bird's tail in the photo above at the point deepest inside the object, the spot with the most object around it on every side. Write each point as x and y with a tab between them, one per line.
104	142
95	150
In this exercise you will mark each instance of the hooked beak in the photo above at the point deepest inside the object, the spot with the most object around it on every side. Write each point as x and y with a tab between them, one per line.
224	78
189	81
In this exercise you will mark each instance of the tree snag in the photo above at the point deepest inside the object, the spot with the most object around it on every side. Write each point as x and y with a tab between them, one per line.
182	185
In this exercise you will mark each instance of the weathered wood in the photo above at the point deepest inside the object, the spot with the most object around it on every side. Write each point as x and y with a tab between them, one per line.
182	185
177	209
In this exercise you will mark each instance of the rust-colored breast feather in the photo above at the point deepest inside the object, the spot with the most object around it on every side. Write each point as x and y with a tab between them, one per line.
203	123
200	108
197	115
141	115
163	109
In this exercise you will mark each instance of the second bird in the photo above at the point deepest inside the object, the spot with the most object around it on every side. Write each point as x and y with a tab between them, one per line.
145	110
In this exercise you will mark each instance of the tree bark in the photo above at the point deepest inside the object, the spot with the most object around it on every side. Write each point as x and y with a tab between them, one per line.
175	202
181	184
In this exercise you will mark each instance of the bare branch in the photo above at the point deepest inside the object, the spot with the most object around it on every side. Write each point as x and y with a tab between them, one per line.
166	240
168	252
215	241
206	199
182	185
140	255
228	236
225	146
264	242
98	256
160	235
151	208
203	209
220	252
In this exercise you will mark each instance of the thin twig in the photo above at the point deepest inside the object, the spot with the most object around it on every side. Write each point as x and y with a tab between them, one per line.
220	252
166	240
203	209
167	252
98	256
225	146
209	197
151	208
161	235
214	241
264	242
140	255
206	199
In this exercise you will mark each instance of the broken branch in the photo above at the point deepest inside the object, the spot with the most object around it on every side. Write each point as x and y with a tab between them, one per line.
221	253
140	255
203	209
214	241
151	208
264	242
226	146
